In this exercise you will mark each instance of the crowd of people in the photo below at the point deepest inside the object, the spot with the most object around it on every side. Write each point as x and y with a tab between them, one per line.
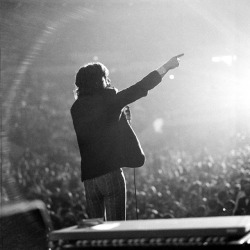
175	182
171	184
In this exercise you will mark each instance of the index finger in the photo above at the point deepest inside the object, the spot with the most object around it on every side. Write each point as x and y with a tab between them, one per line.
180	55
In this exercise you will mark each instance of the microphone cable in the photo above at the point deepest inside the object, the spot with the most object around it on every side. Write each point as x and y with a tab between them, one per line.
129	118
136	208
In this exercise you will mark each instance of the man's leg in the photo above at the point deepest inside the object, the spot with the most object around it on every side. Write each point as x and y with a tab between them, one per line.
113	188
94	199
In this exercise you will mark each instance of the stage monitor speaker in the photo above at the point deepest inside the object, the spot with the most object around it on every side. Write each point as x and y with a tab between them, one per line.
24	225
157	233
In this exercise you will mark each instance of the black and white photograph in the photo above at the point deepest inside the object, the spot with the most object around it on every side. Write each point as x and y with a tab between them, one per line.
125	124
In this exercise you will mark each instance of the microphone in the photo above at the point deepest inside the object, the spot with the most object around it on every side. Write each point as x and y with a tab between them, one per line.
128	114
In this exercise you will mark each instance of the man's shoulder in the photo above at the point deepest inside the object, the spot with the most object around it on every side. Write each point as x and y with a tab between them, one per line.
94	100
110	91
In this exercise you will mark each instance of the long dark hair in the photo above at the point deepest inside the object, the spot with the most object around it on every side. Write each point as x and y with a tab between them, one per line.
89	79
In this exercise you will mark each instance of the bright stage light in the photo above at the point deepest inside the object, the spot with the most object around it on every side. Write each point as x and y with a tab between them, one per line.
227	59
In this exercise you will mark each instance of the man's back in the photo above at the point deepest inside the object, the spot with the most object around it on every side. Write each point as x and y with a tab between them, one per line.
96	126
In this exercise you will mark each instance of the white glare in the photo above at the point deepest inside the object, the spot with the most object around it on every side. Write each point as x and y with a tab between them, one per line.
228	59
106	226
158	124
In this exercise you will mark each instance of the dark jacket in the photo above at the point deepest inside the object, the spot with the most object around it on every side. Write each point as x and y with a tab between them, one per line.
98	119
243	208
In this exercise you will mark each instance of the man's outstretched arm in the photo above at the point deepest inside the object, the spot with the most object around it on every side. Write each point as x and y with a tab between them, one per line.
141	88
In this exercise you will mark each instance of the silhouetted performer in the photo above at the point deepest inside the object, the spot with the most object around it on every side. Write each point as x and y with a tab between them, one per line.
106	140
